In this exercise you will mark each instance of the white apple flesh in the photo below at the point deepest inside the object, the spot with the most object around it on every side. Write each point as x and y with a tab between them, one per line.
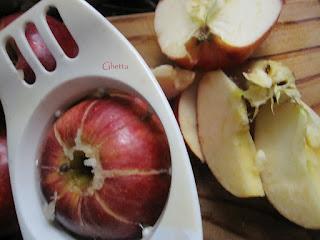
224	135
213	34
290	139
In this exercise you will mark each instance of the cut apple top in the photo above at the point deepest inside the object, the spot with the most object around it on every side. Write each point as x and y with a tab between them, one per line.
238	23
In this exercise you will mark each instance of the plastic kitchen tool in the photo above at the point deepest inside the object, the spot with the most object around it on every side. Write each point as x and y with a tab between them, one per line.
29	109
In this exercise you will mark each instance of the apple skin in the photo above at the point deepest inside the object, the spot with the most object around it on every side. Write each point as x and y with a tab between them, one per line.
5	21
39	47
126	137
8	219
215	54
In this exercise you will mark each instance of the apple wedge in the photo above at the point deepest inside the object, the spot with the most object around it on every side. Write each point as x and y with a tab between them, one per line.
224	135
173	80
213	34
187	118
289	137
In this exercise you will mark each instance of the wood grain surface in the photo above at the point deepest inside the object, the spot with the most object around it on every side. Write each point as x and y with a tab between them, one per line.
295	41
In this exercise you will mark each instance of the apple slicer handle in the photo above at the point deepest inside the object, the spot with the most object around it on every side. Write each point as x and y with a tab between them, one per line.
13	89
18	97
15	92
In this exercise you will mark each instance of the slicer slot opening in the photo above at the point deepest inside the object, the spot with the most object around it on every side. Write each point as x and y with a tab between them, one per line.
39	47
61	33
18	60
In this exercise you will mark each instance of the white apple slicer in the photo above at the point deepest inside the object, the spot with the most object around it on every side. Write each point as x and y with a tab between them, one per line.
29	109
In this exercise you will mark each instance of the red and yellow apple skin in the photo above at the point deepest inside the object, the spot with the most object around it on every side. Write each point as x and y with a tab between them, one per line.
39	47
214	54
130	145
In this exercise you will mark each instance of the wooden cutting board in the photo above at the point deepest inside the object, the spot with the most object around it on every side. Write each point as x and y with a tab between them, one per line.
295	41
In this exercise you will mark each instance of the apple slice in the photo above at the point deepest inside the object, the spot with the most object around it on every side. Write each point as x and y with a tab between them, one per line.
173	80
213	34
224	135
290	140
187	117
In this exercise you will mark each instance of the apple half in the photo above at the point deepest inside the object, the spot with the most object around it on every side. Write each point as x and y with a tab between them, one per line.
289	138
224	134
187	118
213	34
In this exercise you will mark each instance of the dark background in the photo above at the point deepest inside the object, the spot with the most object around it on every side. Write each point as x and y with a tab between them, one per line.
105	7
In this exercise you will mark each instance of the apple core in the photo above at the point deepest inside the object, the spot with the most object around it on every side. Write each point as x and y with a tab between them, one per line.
78	171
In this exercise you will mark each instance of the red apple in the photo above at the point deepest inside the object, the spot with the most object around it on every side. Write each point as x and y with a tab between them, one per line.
105	167
39	47
213	34
8	219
